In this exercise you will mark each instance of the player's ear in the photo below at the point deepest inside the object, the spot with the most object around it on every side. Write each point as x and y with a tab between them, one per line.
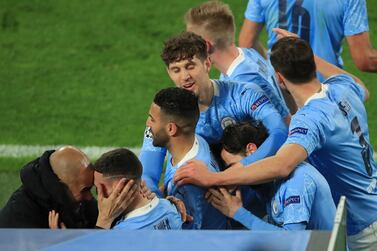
281	80
250	148
207	64
172	129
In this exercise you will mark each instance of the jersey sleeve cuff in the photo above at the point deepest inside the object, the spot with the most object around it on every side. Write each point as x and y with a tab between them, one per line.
240	214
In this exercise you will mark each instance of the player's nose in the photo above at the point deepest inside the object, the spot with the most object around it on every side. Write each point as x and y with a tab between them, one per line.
186	75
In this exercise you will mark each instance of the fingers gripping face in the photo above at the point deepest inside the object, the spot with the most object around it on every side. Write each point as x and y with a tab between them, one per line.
116	203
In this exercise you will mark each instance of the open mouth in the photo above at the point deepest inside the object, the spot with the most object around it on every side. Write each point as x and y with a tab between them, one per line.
188	86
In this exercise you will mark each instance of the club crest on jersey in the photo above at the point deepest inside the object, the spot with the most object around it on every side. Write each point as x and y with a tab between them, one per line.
227	121
274	207
260	101
292	200
148	133
299	130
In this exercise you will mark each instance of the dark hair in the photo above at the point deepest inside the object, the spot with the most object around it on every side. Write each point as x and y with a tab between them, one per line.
119	162
236	137
184	46
294	59
180	105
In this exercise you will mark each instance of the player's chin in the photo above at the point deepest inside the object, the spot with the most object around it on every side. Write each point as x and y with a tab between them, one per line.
192	89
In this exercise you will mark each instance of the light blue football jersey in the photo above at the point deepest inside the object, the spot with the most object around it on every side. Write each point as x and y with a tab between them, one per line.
159	214
204	214
232	102
304	197
332	127
322	23
248	65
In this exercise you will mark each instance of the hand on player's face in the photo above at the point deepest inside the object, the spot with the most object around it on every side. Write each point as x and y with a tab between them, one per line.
116	203
226	203
194	172
145	192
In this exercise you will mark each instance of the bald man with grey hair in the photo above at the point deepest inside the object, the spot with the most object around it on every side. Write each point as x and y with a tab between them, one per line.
58	181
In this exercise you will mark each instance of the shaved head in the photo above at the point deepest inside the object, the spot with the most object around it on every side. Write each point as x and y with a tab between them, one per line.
72	167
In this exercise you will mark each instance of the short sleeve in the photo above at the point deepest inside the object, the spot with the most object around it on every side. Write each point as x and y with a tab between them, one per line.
297	201
254	102
254	11
355	18
304	131
349	82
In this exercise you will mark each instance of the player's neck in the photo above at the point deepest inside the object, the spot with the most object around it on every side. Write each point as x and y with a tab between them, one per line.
206	95
224	58
301	93
138	202
180	146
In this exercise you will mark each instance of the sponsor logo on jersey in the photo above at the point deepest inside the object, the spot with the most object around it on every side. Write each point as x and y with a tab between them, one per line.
292	200
344	107
299	130
260	101
227	121
164	224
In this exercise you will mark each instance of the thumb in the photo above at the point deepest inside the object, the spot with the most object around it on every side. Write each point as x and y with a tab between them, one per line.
238	193
62	225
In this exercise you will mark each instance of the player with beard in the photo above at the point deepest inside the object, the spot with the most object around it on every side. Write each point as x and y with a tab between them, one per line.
172	119
220	103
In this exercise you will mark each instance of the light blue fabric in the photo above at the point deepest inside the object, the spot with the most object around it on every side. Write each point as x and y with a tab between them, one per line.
163	217
322	23
204	214
233	102
302	201
250	69
333	129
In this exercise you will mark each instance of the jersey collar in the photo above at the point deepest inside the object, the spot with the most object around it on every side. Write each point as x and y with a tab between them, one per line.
238	60
318	95
190	154
216	90
144	209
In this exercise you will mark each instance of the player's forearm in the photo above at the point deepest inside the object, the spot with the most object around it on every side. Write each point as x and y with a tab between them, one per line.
328	70
252	222
260	172
367	62
362	52
152	162
246	39
249	34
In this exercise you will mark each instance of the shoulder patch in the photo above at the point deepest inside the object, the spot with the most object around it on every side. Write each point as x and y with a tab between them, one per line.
292	200
260	101
299	130
148	133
